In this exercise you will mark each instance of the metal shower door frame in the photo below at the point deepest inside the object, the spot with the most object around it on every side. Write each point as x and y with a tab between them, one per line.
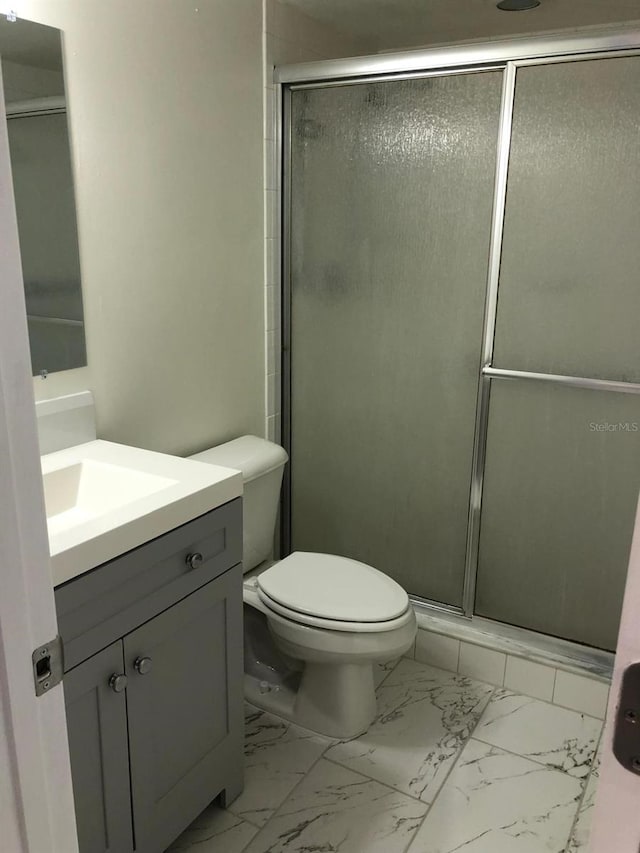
508	56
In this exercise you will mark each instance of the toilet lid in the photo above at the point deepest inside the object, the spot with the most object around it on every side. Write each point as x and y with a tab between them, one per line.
331	587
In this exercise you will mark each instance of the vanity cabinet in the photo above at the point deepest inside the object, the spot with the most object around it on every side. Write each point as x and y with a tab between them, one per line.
155	716
97	730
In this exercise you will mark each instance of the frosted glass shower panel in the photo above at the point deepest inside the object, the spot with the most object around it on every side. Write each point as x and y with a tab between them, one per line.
560	492
392	188
569	297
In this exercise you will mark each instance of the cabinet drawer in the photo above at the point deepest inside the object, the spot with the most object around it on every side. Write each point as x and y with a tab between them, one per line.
104	604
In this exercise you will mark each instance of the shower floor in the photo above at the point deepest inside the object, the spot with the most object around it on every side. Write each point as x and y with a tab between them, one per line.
449	764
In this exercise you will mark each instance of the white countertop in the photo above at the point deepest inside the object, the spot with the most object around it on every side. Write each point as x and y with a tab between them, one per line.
183	489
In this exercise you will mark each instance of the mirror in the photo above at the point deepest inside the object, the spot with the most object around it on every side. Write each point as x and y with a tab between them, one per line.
34	92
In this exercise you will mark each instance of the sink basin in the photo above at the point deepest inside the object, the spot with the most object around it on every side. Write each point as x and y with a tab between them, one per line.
84	490
103	499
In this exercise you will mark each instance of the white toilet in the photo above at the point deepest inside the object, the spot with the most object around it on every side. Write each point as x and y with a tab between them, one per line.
315	624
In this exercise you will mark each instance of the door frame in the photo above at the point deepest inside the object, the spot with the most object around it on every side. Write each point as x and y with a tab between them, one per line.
508	56
36	807
616	822
546	48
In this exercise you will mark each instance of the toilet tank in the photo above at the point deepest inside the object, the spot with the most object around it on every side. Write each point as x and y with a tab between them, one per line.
262	464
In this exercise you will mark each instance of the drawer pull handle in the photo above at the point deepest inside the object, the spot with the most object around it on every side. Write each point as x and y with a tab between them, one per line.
118	682
143	665
194	561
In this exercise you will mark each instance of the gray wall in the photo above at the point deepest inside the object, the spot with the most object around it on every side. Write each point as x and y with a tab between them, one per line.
165	112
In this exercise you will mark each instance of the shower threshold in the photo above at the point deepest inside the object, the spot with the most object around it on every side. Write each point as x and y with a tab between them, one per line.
509	639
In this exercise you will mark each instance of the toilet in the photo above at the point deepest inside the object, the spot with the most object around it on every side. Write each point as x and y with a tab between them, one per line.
315	624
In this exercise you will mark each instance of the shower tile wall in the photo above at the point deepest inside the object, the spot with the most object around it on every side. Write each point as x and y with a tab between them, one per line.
289	36
518	672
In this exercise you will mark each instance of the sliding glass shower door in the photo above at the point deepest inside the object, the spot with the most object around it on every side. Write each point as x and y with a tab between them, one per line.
391	198
464	295
563	463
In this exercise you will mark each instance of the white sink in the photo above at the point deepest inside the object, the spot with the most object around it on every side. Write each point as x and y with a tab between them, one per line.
103	499
84	490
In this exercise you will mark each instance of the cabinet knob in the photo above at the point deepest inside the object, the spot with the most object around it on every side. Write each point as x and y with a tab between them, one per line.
118	682
143	665
194	560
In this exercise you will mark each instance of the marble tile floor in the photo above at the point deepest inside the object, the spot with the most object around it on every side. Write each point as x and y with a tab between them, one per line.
449	764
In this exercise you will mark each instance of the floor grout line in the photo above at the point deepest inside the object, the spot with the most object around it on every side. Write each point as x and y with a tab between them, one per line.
387	674
230	810
288	723
584	791
389	785
304	775
447	775
373	779
275	811
547	702
528	757
575	711
535	761
515	755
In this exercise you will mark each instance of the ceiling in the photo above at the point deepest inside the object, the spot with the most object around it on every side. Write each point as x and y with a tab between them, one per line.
388	24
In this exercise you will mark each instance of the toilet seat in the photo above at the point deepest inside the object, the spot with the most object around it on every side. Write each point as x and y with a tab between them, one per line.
335	624
335	593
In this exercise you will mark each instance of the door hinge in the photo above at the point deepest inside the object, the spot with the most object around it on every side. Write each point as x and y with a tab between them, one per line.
48	666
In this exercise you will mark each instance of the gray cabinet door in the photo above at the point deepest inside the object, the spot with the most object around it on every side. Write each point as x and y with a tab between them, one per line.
97	729
185	713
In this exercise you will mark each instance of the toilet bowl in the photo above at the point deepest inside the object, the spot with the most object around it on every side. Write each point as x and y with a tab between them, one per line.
315	624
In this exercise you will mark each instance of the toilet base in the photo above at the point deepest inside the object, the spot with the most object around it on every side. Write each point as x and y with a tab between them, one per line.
320	679
338	700
335	700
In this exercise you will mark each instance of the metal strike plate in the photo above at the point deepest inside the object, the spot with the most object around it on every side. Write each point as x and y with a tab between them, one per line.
48	667
626	737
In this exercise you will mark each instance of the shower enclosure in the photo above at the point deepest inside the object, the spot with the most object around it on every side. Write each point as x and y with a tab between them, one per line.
461	265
